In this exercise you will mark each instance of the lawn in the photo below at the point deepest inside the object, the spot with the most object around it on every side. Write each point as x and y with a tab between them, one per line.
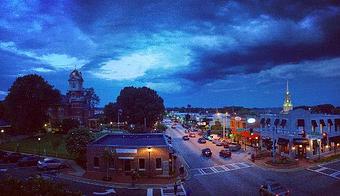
42	147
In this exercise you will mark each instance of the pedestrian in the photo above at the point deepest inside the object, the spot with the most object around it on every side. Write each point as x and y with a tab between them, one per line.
133	177
175	188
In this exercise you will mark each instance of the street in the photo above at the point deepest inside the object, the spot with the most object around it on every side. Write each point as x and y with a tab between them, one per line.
237	176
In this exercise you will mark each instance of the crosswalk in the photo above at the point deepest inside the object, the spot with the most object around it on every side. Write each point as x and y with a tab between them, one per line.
326	171
169	191
219	168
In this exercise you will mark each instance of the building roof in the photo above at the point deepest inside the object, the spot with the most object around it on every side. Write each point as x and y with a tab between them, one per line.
76	75
131	140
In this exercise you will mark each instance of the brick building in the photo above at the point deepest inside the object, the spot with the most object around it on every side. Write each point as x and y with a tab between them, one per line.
76	104
148	154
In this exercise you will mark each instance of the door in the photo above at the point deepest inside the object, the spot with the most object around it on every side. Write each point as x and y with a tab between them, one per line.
127	165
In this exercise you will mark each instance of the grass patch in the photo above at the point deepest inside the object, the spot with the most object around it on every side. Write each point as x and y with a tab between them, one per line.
43	147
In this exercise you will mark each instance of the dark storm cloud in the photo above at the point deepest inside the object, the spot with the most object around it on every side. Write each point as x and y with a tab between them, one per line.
177	47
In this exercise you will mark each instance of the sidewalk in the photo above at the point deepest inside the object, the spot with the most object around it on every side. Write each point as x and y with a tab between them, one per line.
300	164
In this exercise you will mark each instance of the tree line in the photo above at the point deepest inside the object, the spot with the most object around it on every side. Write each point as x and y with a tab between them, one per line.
31	96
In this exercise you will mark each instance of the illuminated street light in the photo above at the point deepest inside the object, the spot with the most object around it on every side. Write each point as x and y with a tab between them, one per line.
2	131
149	150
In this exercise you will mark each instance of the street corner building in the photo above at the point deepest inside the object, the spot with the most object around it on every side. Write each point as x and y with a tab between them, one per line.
118	155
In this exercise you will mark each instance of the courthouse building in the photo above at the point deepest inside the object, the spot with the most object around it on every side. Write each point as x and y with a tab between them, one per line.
76	104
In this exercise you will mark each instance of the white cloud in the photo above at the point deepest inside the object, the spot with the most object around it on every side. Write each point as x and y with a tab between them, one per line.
167	87
3	93
57	61
42	69
137	64
316	68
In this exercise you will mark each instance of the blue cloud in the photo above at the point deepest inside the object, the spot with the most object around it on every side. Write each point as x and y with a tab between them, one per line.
184	49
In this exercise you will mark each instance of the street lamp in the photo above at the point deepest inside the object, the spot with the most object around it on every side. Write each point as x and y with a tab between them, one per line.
2	134
149	150
39	145
119	113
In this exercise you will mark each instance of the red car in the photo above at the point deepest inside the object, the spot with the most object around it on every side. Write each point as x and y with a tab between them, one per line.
192	135
225	153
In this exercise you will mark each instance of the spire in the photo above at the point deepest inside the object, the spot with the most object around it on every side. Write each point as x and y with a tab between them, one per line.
287	104
287	90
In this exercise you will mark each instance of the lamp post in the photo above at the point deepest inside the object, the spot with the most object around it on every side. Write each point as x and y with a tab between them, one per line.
39	145
111	126
319	148
2	134
119	113
149	151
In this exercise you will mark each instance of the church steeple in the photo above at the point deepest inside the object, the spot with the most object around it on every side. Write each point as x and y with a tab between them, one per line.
287	104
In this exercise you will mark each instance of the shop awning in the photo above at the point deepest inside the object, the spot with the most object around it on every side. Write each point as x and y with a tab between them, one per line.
300	141
330	122
314	124
337	121
126	158
126	150
282	141
268	121
335	139
300	123
276	122
322	122
283	122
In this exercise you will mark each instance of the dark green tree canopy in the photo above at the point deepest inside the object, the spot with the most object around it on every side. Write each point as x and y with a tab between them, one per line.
139	105
111	112
28	100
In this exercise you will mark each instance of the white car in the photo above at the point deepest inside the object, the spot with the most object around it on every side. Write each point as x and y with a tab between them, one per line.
50	163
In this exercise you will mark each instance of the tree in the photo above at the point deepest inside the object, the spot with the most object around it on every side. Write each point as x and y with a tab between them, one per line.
68	124
77	141
32	186
141	106
92	98
55	143
2	110
107	156
111	112
28	100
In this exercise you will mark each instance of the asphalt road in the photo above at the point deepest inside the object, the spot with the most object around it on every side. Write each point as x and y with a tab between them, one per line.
211	176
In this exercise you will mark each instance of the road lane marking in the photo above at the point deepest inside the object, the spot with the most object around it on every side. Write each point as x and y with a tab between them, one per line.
149	192
225	168
322	170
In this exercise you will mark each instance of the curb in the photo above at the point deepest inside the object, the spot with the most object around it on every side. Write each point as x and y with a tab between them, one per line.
110	184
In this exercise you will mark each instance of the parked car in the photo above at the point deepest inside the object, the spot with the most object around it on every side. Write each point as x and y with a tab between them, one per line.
225	144
3	154
234	147
173	126
50	163
270	187
218	143
192	135
185	137
206	152
225	153
12	157
201	140
28	161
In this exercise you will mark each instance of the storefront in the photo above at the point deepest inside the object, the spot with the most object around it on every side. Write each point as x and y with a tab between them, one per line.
283	145
300	147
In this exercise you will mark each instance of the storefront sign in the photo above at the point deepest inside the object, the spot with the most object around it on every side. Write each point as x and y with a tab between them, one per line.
126	150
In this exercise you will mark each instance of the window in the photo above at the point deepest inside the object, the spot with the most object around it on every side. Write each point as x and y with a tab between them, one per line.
112	163
158	163
141	164
96	162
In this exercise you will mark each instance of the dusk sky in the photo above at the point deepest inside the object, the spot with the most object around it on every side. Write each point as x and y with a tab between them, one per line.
203	53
